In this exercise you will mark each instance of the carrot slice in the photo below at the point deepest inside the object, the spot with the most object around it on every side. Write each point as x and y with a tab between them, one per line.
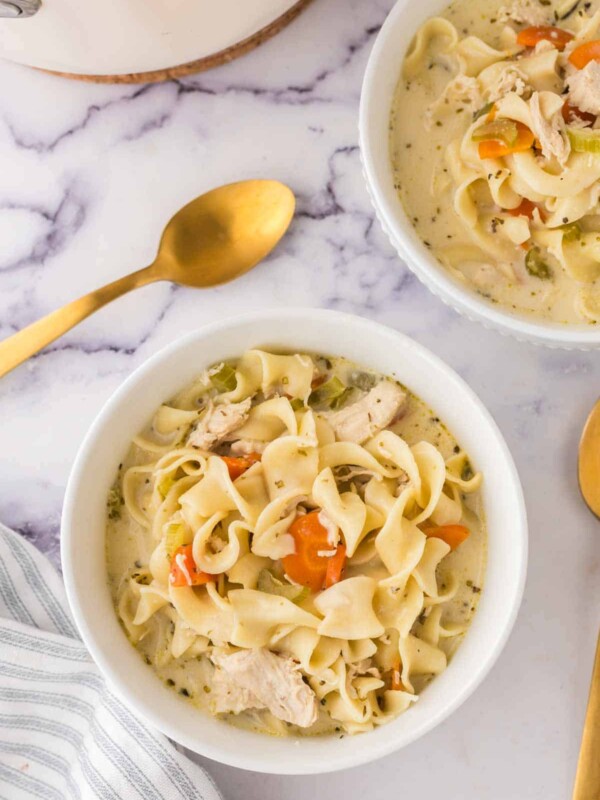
453	535
237	466
524	209
184	571
492	148
529	37
586	52
335	566
306	566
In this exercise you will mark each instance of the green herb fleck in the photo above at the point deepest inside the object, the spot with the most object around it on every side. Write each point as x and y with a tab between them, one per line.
467	471
115	502
536	266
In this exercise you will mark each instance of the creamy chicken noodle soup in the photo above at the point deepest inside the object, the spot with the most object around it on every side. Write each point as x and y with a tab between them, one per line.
296	544
495	143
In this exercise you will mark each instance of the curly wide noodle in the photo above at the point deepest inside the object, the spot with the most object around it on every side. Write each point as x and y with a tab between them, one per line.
483	192
390	579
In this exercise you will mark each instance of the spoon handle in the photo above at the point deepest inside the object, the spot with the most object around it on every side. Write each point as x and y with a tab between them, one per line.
30	340
587	779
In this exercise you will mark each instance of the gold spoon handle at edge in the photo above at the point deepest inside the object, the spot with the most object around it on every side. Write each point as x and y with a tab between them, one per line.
29	341
587	778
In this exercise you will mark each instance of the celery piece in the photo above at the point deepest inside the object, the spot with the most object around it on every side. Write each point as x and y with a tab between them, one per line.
584	140
297	404
501	130
270	585
536	266
223	378
177	536
327	393
345	397
363	380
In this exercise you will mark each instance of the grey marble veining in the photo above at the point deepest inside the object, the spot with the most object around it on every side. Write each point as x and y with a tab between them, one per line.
88	177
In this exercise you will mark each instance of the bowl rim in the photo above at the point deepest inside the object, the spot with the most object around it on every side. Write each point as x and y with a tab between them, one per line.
400	230
108	663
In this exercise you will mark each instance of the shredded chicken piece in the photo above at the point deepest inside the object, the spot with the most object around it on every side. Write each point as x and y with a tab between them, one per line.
553	142
244	447
363	419
228	697
264	680
218	423
510	80
526	12
584	88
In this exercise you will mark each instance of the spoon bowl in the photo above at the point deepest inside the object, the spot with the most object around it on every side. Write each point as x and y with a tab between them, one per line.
589	461
224	233
212	240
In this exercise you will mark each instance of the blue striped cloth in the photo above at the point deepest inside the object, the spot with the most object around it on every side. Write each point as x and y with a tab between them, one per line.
63	734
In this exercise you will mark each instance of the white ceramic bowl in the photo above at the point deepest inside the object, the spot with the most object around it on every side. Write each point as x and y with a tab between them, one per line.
83	534
381	77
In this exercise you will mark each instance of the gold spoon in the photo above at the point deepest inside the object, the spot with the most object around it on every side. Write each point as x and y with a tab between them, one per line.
587	778
212	240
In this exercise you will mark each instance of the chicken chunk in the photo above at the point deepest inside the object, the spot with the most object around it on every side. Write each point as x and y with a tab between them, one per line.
218	423
264	680
228	697
363	419
509	80
526	12
549	132
244	447
584	88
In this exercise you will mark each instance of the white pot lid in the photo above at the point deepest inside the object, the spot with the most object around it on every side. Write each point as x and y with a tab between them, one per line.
114	37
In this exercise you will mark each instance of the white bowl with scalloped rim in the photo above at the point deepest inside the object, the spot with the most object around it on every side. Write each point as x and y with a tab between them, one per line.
379	84
128	411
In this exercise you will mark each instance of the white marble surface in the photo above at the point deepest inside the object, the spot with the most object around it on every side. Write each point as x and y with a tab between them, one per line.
88	176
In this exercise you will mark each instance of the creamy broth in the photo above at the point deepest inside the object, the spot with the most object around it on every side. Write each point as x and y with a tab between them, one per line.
548	265
183	656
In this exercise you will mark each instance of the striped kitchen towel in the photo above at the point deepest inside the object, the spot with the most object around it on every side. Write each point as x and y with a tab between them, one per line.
63	734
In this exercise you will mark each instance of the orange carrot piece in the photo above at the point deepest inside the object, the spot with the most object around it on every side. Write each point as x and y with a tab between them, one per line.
453	535
306	566
184	571
529	37
493	148
586	52
335	566
524	209
396	681
237	466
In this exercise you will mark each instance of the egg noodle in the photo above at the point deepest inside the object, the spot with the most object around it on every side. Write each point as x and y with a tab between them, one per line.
270	526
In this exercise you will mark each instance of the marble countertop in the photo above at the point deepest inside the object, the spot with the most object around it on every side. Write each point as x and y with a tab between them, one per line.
89	175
